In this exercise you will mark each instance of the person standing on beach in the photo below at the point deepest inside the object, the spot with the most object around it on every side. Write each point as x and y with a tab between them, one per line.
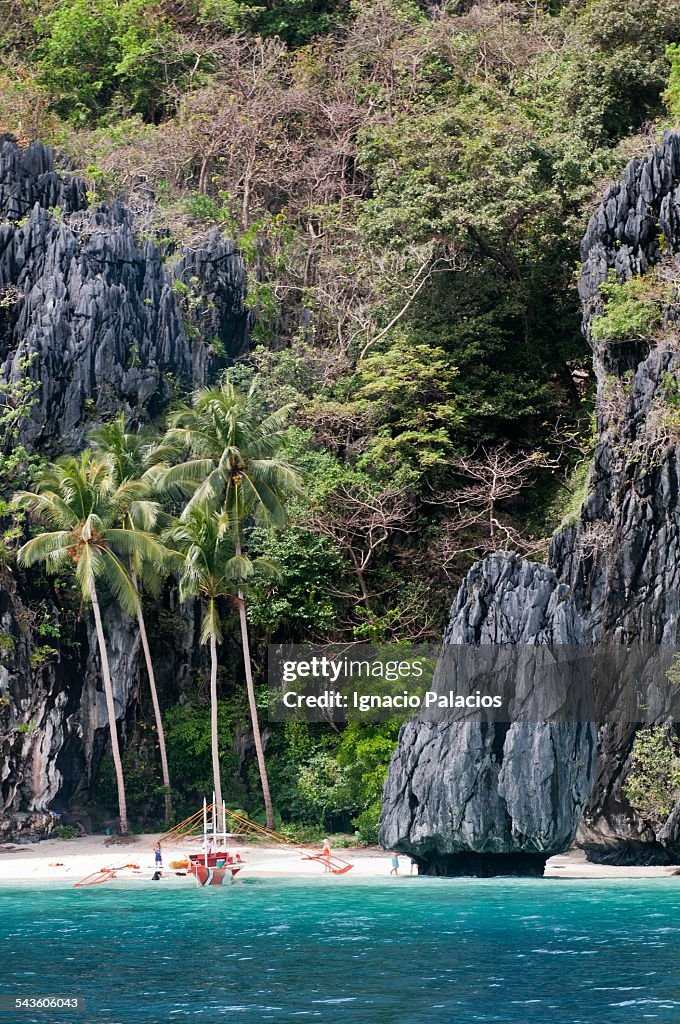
326	854
395	865
158	856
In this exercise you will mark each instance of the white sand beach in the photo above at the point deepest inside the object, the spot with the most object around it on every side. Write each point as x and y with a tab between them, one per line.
67	861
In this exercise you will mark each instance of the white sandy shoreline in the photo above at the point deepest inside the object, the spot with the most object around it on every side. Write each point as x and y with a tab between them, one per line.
67	861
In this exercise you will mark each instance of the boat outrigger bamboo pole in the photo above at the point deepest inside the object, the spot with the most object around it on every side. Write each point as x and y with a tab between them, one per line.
183	828
240	825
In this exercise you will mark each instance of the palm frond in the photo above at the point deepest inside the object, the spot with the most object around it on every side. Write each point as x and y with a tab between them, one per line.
144	515
49	508
262	501
266	567
119	582
44	546
88	567
238	567
138	544
210	492
211	625
182	479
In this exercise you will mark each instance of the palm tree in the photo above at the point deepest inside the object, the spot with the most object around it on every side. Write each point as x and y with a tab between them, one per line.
137	457
235	467
78	503
211	569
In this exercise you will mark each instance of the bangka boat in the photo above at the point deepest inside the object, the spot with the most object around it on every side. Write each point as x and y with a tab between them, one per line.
213	861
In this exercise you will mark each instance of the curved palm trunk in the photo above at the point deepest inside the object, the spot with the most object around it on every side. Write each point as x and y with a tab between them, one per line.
110	707
261	763
157	714
214	741
156	705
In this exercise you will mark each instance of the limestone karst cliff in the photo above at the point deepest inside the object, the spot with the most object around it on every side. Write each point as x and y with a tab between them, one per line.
89	313
88	307
486	798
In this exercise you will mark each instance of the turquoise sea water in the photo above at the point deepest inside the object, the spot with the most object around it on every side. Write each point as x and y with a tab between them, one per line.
405	950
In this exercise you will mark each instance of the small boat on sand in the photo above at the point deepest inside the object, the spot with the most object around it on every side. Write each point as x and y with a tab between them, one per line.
211	868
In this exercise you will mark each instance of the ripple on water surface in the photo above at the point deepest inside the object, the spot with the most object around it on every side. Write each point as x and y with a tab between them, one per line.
407	950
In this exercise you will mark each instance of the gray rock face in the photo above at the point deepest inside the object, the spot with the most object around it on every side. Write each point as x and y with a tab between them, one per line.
90	314
458	794
28	177
220	276
493	798
93	320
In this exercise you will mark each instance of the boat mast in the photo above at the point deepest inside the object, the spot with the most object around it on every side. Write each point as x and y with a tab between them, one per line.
205	833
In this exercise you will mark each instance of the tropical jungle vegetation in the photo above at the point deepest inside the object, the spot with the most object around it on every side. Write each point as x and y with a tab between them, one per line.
407	183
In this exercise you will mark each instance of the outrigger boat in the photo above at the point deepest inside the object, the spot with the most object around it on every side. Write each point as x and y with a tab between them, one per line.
214	861
210	866
214	842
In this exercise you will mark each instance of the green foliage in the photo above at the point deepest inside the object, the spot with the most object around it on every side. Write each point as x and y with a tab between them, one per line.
653	782
304	834
618	67
187	729
308	785
408	390
365	751
672	94
227	15
7	643
17	398
295	21
322	789
142	785
66	832
331	781
79	55
90	54
632	311
300	602
203	207
568	505
673	674
671	391
41	657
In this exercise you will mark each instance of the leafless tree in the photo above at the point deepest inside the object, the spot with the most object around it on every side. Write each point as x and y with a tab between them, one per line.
360	524
487	478
493	474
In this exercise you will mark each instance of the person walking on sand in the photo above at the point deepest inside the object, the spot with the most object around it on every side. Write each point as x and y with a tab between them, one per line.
326	854
158	856
395	865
